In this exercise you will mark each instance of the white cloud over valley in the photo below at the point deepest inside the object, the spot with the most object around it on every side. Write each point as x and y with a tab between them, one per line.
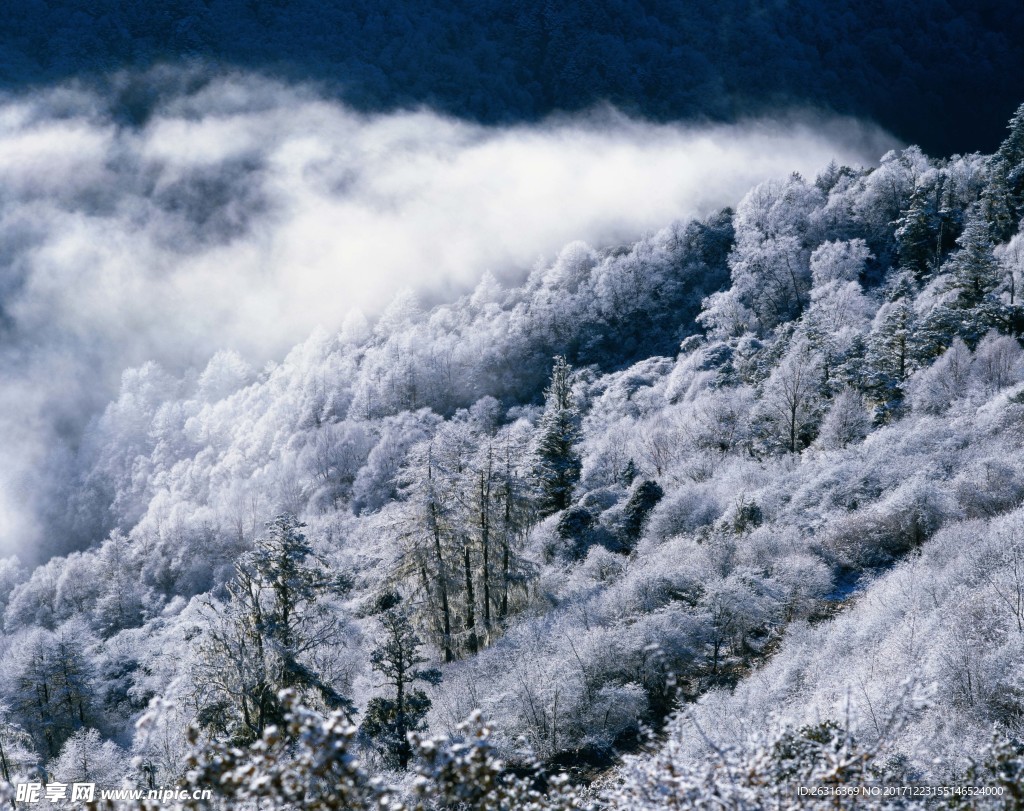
247	213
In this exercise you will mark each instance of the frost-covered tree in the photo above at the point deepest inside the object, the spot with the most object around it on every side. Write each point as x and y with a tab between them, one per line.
16	746
425	526
388	720
267	636
1011	258
885	193
642	500
926	229
998	363
557	461
891	356
774	276
87	758
975	274
934	388
792	397
997	203
50	681
973	277
846	422
839	261
1009	165
467	505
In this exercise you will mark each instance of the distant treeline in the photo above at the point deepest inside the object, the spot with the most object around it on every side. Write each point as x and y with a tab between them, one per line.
944	74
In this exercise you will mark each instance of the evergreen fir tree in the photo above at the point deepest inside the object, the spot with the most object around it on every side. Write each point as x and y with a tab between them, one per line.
296	581
900	284
996	201
1008	167
974	277
889	360
629	473
974	269
823	342
830	176
638	509
557	463
388	720
852	370
917	233
935	333
1012	149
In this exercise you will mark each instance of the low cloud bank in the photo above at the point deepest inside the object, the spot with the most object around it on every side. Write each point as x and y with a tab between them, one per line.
246	213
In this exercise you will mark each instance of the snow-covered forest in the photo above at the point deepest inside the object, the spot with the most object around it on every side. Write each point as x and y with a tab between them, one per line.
750	484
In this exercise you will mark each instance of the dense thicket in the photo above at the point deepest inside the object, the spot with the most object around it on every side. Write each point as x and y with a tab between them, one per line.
649	475
906	65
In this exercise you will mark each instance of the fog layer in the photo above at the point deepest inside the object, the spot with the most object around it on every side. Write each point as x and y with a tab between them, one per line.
248	213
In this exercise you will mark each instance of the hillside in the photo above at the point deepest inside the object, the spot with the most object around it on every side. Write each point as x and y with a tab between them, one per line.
762	467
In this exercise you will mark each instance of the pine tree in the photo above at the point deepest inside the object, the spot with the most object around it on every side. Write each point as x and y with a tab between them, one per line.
997	202
822	341
296	579
557	463
1012	149
974	277
388	720
830	176
629	473
852	370
974	269
638	509
922	229
1009	164
890	357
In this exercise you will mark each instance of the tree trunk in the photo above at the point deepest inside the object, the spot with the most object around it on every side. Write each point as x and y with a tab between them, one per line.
442	585
471	641
485	538
506	542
